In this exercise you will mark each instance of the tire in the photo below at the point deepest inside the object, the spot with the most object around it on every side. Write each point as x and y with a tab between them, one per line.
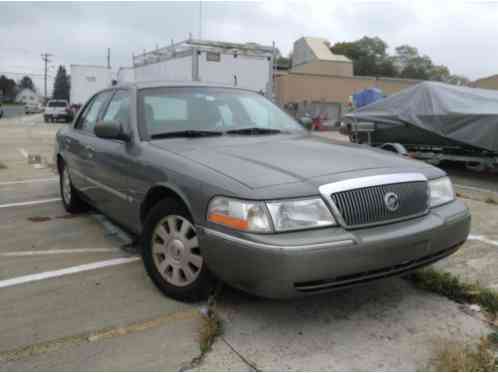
171	253
70	197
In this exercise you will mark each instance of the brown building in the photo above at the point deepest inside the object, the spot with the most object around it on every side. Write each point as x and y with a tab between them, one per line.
490	82
322	82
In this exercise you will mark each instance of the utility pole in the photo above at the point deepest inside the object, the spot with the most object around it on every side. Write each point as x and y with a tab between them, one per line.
45	58
108	58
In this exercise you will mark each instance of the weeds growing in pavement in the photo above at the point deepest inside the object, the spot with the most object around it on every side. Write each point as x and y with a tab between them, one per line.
450	286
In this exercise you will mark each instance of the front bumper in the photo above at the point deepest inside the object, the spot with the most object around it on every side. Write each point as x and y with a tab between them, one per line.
293	264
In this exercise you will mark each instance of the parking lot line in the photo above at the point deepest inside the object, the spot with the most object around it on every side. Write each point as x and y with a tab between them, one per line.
23	152
482	239
66	271
30	181
61	251
475	188
29	203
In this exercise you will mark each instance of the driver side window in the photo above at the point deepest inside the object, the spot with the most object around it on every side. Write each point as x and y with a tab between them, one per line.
90	116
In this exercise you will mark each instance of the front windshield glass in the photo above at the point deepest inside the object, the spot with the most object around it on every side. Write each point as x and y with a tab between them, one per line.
165	110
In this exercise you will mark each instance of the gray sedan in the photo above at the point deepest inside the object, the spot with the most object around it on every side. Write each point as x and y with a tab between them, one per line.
219	183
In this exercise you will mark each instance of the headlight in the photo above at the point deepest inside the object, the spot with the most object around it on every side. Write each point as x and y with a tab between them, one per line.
252	216
238	214
300	214
441	191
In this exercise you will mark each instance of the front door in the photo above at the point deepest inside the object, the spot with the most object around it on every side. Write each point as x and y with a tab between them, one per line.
82	143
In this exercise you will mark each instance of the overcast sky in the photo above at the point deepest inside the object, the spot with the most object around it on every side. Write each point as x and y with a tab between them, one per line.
461	35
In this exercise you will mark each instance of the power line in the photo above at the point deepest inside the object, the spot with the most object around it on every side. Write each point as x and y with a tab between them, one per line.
45	58
29	74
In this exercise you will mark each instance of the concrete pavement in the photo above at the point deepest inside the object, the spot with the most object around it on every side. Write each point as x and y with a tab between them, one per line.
113	318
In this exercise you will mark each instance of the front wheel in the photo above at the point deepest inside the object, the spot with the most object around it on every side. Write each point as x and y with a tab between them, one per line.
171	253
70	197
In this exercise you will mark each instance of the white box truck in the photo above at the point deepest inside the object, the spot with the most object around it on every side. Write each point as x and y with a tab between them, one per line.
87	80
247	65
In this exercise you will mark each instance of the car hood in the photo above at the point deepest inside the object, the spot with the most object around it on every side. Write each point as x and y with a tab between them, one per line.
263	161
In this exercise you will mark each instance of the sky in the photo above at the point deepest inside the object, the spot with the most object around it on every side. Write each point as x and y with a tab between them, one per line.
458	34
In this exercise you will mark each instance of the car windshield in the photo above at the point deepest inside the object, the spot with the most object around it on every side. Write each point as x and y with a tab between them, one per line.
224	110
57	104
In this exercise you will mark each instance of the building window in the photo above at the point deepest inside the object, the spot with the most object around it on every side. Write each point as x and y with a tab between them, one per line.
213	57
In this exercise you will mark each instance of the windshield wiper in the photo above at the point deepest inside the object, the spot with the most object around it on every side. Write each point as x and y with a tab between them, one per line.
185	133
254	131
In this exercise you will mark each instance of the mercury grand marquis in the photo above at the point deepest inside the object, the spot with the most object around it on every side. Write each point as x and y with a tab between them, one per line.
220	184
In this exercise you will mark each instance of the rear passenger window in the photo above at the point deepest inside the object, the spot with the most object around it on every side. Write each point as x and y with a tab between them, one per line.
118	109
90	115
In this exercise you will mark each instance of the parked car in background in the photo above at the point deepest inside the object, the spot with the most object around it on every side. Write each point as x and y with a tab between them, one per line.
220	183
33	107
56	110
1	110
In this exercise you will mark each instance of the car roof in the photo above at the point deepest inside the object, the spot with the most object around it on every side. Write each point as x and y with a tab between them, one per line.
165	84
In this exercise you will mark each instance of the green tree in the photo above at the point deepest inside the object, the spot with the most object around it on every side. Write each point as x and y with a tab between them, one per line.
26	82
369	56
61	85
7	88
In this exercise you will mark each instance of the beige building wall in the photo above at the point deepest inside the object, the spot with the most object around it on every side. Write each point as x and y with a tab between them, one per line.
298	87
325	68
490	82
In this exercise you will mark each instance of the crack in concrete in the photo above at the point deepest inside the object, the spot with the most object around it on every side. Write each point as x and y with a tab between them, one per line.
245	360
93	336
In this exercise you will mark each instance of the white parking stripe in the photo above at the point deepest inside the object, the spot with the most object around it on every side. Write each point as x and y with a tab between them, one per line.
30	181
61	251
23	152
66	271
29	203
475	188
482	239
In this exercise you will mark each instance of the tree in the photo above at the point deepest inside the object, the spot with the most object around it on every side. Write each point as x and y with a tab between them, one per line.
369	56
61	85
26	82
7	88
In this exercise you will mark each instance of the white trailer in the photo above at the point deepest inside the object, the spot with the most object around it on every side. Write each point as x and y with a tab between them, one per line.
86	80
247	65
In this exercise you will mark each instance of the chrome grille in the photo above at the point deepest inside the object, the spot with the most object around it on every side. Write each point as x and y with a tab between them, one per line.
366	206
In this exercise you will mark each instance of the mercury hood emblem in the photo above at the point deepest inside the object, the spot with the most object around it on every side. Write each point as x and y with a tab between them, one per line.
391	200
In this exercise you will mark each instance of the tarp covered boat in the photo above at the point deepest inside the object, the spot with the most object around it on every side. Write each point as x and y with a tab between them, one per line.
434	114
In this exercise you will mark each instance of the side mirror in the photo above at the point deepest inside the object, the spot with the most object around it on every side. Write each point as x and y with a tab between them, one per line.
111	129
306	122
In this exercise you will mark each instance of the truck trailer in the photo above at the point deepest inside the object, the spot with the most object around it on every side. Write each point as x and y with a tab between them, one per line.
87	80
246	65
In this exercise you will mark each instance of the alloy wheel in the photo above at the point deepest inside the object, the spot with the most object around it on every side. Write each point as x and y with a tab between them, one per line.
175	250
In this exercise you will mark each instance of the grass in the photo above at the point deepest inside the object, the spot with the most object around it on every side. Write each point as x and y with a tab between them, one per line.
454	356
450	286
491	200
210	329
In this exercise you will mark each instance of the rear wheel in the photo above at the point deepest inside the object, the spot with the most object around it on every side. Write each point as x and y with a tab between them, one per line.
171	253
70	197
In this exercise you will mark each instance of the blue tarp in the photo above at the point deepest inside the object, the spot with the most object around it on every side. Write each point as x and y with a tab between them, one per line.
367	96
